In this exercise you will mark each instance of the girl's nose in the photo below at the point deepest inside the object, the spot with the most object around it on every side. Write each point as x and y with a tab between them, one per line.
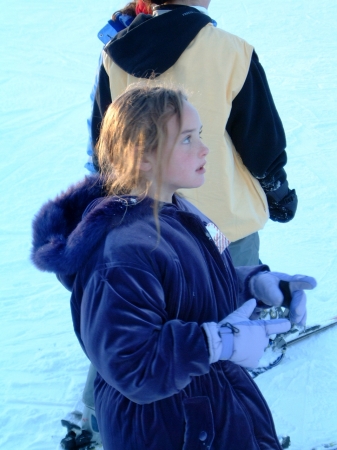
205	150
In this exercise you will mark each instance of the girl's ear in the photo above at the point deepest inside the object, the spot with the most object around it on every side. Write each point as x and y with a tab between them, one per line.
146	164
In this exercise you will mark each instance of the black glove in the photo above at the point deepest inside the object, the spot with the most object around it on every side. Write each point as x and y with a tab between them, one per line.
282	203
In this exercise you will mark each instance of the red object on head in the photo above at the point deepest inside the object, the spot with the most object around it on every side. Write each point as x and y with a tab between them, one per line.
141	7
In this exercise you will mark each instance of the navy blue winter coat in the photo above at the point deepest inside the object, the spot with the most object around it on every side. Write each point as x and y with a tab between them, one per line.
138	302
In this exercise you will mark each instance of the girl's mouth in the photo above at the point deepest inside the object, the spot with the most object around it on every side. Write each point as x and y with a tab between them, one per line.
201	169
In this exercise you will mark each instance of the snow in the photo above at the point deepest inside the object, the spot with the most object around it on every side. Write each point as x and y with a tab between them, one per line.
48	55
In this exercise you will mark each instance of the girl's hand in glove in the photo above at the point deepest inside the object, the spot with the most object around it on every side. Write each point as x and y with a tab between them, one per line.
281	289
239	339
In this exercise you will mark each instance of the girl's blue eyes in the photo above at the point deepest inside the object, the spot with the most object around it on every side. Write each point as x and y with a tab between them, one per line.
187	139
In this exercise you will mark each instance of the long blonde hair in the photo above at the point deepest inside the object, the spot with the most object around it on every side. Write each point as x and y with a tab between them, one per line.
135	124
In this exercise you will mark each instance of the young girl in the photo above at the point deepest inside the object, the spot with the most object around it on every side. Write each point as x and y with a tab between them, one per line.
155	299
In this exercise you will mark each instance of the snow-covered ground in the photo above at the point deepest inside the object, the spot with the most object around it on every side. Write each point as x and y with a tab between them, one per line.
48	56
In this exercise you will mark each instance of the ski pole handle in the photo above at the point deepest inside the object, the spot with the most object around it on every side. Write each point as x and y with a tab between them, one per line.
285	289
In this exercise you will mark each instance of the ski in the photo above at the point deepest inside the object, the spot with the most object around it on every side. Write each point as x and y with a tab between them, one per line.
276	350
296	334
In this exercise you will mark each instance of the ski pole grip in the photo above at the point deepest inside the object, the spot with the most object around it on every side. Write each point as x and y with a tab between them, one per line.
285	289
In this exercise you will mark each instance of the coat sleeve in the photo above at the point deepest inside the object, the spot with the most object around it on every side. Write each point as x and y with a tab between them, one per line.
244	274
256	129
129	339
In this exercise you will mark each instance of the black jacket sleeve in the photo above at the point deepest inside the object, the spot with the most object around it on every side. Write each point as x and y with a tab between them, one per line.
258	135
256	129
102	101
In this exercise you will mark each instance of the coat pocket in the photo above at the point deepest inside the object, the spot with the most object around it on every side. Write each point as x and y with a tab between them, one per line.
199	428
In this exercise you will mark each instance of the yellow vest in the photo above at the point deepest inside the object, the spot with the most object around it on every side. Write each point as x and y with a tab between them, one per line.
212	71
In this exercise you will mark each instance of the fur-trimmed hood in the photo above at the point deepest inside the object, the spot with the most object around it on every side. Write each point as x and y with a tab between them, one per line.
58	228
68	229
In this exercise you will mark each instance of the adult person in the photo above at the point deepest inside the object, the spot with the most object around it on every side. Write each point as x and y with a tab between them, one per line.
246	181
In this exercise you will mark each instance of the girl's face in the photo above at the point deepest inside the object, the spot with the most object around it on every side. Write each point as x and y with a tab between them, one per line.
184	155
